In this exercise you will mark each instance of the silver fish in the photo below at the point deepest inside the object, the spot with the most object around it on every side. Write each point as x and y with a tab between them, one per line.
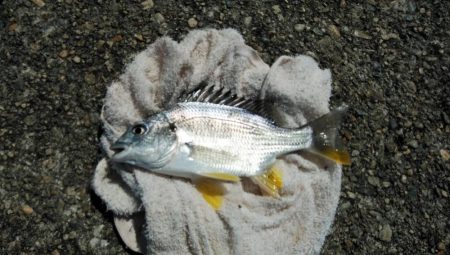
202	139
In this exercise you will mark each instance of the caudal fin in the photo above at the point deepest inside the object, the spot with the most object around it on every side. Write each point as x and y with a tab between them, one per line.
326	140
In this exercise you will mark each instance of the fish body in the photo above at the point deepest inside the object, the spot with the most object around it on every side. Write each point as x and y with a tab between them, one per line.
204	139
215	138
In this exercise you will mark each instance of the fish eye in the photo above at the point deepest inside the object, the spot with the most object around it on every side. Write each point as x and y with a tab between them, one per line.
172	127
140	129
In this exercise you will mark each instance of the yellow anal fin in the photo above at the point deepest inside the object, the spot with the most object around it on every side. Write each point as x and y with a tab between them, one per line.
270	182
212	191
339	156
221	176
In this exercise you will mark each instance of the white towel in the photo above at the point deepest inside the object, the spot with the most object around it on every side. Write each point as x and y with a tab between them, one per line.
158	214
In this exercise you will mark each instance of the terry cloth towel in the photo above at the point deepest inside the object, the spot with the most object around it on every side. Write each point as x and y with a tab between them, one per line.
157	214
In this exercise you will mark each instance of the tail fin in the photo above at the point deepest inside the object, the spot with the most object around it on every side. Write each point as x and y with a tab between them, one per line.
325	136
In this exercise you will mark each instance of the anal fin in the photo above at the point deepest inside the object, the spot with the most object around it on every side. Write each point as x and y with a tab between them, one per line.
212	191
271	182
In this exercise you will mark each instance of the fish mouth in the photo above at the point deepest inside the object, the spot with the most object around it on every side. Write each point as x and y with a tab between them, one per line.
122	155
120	151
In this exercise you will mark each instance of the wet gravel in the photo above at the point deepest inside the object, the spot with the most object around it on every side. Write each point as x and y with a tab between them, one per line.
390	62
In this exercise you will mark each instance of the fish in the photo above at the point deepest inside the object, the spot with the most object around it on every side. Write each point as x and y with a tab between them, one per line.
213	136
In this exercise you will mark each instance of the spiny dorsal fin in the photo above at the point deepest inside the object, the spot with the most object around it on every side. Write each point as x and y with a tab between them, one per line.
209	94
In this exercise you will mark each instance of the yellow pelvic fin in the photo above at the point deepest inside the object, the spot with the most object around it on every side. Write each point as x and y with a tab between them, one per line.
221	176
271	182
212	191
340	156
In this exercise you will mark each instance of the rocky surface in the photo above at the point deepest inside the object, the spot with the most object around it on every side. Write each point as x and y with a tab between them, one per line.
390	62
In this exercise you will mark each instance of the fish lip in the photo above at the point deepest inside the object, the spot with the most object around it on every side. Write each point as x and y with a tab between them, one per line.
118	147
120	151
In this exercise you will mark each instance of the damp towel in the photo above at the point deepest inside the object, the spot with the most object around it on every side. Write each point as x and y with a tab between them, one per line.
157	214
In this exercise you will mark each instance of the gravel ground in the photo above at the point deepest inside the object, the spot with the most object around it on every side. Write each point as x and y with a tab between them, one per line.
390	62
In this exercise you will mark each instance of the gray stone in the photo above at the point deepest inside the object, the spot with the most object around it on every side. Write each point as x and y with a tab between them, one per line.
351	195
386	233
159	18
414	144
148	4
30	120
247	21
192	22
89	78
374	181
299	27
276	9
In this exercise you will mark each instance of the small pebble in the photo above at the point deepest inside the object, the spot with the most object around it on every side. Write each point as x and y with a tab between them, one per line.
192	23
414	144
409	172
276	9
351	195
404	179
63	54
76	59
27	209
445	118
89	78
39	3
96	242
55	252
299	27
148	4
389	36
444	154
30	120
334	31
386	233
441	246
362	35
247	21
159	18
12	27
117	38
139	37
374	181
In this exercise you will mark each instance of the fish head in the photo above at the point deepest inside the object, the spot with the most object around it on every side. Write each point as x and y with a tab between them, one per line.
148	144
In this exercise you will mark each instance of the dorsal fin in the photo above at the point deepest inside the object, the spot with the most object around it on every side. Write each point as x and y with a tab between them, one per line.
205	93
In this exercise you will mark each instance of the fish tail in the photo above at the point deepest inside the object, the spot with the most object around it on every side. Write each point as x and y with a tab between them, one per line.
325	138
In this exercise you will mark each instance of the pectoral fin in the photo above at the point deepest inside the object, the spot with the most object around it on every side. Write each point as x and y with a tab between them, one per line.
221	176
212	191
270	182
